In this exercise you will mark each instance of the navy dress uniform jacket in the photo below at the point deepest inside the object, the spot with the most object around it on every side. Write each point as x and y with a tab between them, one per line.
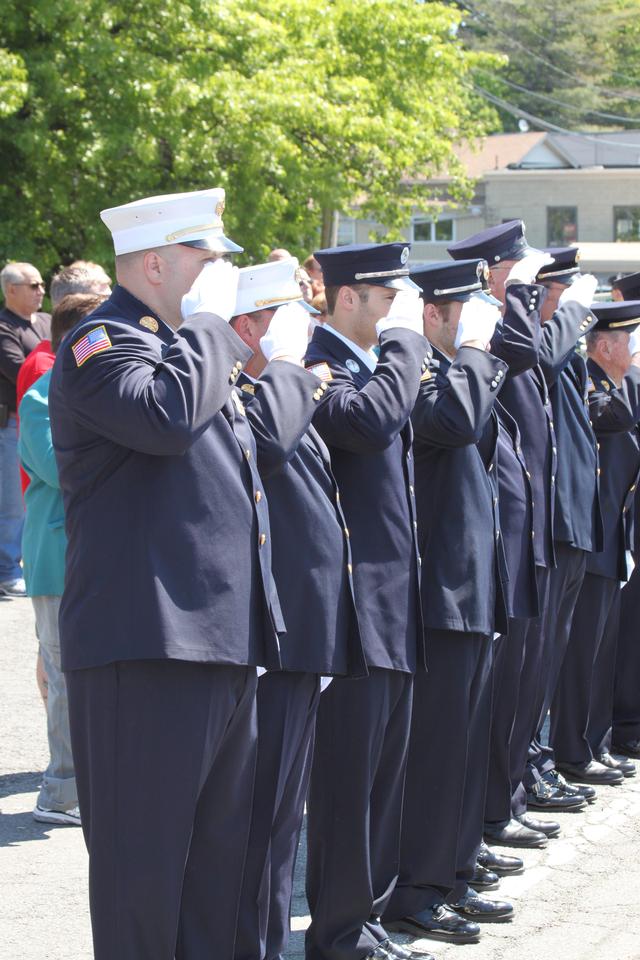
463	560
615	413
577	518
169	552
512	482
311	553
525	396
364	420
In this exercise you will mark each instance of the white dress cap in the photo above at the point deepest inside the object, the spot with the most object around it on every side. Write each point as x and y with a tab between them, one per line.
269	285
193	218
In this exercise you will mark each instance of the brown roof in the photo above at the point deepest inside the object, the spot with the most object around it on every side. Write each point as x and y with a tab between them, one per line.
494	152
497	152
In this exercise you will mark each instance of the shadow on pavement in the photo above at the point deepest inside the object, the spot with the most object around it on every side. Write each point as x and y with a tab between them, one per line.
11	783
17	828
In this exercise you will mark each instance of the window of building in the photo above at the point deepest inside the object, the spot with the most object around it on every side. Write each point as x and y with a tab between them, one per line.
562	226
428	230
346	232
626	223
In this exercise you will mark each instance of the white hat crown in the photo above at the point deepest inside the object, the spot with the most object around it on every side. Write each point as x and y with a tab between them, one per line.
268	285
193	218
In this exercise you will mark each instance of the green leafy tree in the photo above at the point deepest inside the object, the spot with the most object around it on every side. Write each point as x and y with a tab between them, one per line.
572	65
297	109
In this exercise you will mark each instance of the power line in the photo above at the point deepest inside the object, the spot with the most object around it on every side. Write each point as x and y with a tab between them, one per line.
617	94
568	106
546	125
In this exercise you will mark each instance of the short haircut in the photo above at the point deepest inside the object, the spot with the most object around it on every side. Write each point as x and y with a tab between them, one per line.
594	336
70	311
331	293
81	276
311	263
13	273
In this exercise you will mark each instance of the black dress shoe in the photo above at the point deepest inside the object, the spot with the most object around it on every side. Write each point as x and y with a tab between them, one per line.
379	953
498	863
513	834
626	767
592	772
543	796
482	909
555	779
548	827
397	952
628	748
439	922
484	879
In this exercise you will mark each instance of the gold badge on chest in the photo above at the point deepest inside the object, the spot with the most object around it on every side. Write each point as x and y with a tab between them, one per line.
149	323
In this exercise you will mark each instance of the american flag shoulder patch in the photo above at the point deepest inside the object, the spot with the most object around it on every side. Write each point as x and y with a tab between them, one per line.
93	342
321	370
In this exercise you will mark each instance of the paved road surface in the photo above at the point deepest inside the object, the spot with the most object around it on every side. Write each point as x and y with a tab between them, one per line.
577	900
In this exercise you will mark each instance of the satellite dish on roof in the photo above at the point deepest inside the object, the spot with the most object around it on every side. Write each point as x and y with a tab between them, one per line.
523	126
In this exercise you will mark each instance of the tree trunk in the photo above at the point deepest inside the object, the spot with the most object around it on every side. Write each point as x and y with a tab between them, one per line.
329	228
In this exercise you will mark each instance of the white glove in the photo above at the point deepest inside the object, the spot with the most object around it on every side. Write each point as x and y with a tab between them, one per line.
581	291
406	311
478	320
634	341
324	683
213	291
287	334
527	269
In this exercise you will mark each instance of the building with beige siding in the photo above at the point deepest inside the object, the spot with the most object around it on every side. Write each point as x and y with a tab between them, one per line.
582	189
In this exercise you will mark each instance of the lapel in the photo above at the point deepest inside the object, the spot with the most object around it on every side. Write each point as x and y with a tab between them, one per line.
329	344
599	379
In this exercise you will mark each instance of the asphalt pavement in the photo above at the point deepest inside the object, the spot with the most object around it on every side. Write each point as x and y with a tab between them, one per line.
577	899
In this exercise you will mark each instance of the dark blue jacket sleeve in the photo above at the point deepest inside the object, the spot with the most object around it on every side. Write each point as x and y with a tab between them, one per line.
559	337
517	337
369	419
453	407
280	412
153	403
619	409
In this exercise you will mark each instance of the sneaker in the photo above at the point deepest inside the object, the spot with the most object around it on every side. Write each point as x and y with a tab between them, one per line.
13	588
71	816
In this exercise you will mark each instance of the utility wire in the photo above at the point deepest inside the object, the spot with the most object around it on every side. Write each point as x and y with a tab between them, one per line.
585	111
546	125
614	94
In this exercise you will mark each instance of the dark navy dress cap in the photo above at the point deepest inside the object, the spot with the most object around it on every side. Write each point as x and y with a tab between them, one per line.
564	267
629	286
504	242
382	264
616	315
452	280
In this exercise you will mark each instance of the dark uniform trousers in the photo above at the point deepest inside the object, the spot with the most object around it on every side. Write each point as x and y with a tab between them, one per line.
583	704
354	811
518	666
287	705
626	701
152	742
564	587
446	772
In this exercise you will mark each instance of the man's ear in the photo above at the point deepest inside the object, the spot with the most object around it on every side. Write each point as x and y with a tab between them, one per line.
241	325
347	298
154	267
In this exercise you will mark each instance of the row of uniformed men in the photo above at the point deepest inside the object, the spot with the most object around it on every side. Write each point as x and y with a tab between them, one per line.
390	508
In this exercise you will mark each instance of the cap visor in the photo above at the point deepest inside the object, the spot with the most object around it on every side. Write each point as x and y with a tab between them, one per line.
402	283
219	244
487	297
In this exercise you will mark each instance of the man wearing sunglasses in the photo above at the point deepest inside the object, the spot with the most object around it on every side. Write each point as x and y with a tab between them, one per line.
22	327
